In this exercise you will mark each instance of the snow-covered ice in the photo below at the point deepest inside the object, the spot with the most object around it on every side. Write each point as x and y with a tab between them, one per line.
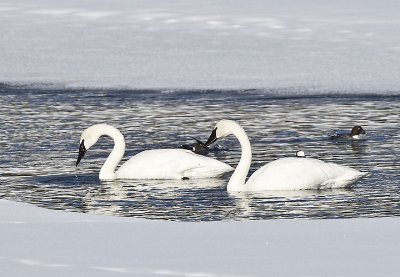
312	45
348	46
39	242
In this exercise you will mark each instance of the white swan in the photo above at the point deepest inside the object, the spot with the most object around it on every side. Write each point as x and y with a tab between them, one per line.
282	174
150	164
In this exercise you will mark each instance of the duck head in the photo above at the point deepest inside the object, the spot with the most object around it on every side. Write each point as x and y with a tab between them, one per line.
357	130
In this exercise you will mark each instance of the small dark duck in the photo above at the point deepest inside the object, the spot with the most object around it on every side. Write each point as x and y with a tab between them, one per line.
198	147
355	134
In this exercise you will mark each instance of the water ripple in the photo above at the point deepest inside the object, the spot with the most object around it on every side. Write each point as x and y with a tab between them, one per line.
41	128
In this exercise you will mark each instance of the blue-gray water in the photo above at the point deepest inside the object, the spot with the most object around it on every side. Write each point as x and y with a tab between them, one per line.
40	130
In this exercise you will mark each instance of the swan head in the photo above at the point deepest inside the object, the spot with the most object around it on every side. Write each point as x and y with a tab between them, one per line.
222	129
88	138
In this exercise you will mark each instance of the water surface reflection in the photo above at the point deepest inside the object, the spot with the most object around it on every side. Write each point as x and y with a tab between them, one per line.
40	134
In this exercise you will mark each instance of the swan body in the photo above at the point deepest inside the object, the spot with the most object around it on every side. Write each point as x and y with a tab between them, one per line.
150	164
171	164
283	174
298	174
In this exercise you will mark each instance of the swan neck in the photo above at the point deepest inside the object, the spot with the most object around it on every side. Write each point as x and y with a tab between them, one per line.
238	178
107	171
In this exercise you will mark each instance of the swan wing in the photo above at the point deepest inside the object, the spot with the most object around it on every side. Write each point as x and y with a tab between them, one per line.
206	172
301	174
171	164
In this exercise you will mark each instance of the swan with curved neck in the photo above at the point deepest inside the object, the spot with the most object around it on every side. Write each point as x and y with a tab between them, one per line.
283	174
149	164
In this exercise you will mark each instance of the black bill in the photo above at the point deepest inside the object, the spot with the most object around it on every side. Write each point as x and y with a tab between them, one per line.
213	138
199	142
82	152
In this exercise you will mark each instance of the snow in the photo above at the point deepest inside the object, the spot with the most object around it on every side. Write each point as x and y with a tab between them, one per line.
310	45
348	46
40	242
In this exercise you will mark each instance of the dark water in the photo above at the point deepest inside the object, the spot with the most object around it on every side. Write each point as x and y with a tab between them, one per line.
40	130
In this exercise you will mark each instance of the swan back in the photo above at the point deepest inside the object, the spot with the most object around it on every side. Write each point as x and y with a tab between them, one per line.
300	174
171	164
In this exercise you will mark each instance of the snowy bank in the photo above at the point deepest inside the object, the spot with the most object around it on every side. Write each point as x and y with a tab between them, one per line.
229	44
40	242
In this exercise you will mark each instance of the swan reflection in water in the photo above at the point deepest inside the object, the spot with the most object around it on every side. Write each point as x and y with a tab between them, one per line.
205	199
159	199
289	204
188	200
